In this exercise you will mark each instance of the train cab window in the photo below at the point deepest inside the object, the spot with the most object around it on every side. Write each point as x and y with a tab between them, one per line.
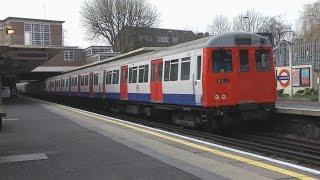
222	61
133	71
95	79
185	69
262	60
171	70
244	61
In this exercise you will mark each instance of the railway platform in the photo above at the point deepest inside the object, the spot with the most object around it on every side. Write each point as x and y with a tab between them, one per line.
308	108
42	140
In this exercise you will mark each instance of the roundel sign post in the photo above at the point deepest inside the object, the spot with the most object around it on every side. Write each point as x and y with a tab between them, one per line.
284	78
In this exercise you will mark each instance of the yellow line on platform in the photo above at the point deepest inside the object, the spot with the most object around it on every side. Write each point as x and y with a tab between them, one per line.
197	146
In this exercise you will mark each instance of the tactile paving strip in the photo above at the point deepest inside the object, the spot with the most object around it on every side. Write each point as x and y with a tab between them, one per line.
23	157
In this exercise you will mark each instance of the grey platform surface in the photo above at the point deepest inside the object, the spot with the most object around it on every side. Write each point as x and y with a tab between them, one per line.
39	144
309	108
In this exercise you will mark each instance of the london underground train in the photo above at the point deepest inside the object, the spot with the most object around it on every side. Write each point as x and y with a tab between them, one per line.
206	82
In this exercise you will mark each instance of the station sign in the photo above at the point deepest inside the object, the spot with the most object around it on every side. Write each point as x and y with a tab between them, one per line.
284	78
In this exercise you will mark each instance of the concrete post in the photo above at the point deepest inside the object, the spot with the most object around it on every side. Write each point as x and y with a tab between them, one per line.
1	103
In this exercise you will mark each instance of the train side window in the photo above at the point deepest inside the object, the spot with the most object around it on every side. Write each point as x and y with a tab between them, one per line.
222	61
109	77
143	73
63	83
262	60
82	81
67	82
115	77
86	80
76	81
160	67
199	67
133	71
244	61
171	70
95	79
185	69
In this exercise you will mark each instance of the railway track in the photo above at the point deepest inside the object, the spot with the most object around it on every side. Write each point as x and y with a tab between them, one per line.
299	151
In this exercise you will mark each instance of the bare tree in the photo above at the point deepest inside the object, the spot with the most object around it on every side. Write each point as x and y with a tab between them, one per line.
249	21
310	20
279	29
220	24
107	19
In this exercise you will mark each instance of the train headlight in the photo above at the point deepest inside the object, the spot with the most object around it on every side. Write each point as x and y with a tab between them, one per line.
223	96
216	97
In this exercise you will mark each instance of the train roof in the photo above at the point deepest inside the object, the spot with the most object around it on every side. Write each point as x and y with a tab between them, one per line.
233	39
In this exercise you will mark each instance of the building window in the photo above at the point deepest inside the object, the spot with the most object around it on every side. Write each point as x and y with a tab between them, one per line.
68	55
162	39
37	34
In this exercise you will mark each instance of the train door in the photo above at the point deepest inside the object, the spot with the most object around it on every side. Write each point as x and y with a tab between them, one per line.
197	78
124	83
156	80
91	84
79	85
104	84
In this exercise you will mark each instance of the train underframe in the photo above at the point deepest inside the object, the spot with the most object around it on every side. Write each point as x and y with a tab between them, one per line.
210	118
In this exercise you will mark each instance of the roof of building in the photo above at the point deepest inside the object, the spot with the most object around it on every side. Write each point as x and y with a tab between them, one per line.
30	19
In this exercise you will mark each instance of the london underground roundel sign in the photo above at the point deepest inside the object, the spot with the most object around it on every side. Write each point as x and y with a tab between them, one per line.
284	78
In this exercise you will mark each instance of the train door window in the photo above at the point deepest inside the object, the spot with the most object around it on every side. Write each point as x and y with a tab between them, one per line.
262	60
160	67
76	81
244	61
222	61
115	79
133	74
153	70
199	67
166	70
185	69
124	77
95	79
67	82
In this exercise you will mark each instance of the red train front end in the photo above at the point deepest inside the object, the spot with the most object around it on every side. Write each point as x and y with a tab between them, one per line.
238	75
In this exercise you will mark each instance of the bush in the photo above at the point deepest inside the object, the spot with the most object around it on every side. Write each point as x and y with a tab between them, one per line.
300	92
280	91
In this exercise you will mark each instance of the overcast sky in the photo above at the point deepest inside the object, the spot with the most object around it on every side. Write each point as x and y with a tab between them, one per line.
192	15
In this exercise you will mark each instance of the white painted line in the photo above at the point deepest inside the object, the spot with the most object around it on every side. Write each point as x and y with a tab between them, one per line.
10	119
23	157
298	109
203	142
